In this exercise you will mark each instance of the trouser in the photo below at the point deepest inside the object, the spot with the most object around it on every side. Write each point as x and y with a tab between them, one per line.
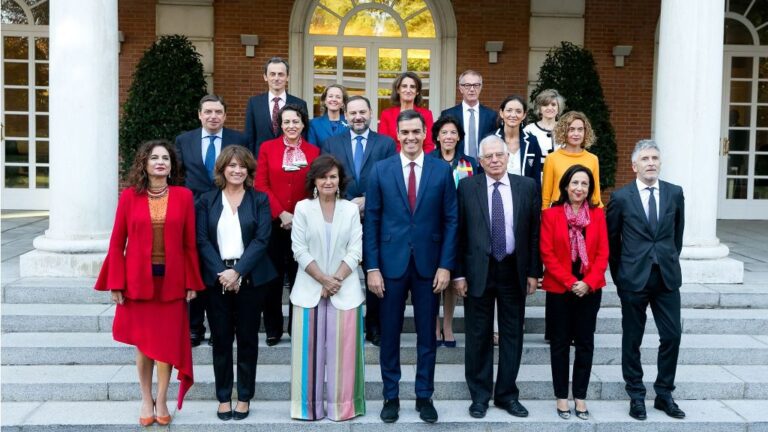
281	254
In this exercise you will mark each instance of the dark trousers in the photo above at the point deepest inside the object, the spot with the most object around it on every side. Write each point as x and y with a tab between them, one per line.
425	304
372	314
233	315
665	304
478	313
279	251
571	318
197	308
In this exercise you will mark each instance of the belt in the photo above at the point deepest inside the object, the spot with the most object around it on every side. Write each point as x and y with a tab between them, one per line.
230	263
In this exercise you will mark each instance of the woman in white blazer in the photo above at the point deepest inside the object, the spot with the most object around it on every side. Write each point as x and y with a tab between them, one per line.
327	298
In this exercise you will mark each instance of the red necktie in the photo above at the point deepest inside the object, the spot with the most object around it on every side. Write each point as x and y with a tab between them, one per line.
412	187
275	109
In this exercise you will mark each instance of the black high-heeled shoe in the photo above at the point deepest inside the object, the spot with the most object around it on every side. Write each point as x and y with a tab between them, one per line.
564	414
237	415
226	415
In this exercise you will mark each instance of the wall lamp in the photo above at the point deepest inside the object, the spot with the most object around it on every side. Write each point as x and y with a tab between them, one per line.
494	48
250	42
619	52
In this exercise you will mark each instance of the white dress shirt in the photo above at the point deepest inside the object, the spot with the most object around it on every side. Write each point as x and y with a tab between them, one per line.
406	163
645	196
354	140
281	103
513	163
229	236
204	141
465	112
506	199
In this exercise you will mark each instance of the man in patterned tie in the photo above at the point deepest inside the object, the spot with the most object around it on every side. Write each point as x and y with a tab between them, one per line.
497	261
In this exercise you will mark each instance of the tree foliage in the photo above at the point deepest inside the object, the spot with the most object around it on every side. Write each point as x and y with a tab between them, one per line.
571	70
162	101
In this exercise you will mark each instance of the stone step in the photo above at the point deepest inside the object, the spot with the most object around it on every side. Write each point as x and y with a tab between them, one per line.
268	416
80	290
100	348
98	318
120	382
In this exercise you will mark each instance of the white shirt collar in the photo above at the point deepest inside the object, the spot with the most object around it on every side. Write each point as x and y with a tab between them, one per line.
283	96
205	133
642	186
364	134
404	161
504	180
465	107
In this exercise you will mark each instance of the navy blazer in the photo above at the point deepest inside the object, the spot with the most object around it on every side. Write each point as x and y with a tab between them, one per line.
391	233
320	130
487	123
188	147
256	227
258	120
378	147
631	241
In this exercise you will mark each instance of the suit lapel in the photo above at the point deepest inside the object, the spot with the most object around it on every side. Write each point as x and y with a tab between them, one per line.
266	114
399	180
664	200
426	171
368	147
213	220
481	193
242	212
347	140
637	203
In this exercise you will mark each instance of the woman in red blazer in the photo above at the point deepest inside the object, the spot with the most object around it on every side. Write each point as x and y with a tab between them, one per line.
406	95
152	270
574	250
280	173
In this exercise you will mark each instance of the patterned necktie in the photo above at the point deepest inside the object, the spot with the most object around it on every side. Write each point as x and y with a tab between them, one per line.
412	187
653	218
498	227
275	109
358	155
210	155
472	134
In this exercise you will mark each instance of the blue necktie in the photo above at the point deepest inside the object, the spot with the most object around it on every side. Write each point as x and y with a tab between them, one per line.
358	155
498	227
210	156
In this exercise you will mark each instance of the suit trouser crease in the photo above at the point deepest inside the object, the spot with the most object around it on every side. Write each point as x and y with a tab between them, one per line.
281	254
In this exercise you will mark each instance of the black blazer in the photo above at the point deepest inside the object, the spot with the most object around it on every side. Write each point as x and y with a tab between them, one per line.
188	147
256	227
631	241
378	147
487	123
258	120
474	246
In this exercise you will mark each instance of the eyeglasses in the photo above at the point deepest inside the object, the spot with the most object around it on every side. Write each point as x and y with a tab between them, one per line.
497	155
467	86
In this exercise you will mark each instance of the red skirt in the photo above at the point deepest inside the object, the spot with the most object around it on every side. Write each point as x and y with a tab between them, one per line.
160	330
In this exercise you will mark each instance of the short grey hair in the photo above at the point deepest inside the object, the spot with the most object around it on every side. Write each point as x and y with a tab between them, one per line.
644	144
490	139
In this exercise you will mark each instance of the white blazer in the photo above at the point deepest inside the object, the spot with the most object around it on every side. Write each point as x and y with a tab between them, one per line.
308	237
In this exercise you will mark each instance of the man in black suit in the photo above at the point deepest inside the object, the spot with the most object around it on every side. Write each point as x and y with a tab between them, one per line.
477	120
261	112
198	150
358	150
497	262
645	233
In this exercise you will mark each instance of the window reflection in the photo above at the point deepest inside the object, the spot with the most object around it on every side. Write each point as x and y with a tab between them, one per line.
378	18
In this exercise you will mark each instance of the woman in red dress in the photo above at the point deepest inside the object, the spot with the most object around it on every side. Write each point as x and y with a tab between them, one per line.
406	95
152	270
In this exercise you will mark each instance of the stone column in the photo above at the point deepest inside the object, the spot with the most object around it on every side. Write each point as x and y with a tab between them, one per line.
687	128
84	140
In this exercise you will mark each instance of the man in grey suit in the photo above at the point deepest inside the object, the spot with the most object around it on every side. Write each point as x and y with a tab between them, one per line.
358	151
497	262
645	234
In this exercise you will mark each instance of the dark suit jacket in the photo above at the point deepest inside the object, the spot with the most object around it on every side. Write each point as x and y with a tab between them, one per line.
320	130
377	148
474	248
487	123
631	241
391	234
256	227
258	119
188	146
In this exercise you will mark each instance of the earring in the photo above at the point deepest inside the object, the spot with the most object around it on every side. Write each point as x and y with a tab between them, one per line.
338	193
314	193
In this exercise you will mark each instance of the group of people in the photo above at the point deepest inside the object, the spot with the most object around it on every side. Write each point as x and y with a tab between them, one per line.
475	205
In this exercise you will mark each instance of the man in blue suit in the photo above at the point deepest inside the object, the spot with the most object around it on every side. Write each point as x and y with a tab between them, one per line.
409	244
198	150
358	150
261	111
477	120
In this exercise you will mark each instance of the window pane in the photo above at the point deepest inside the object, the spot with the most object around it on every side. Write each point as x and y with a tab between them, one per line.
405	8
17	177
761	143
16	73
372	22
12	13
390	60
16	48
762	92
741	67
738	164
738	116
738	6
16	100
41	74
16	125
355	63
16	151
40	12
41	122
736	33
761	189
738	140
339	7
418	61
761	165
324	23
41	152
741	91
421	26
736	189
763	69
41	178
762	116
41	48
41	97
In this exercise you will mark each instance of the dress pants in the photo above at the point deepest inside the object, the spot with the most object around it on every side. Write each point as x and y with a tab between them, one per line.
197	308
233	315
500	287
572	318
281	254
425	305
665	304
372	313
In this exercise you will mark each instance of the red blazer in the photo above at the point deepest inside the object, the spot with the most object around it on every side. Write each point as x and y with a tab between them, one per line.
284	188
388	126
128	268
555	248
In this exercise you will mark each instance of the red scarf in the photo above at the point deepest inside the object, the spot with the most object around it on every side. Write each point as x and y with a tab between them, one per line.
577	221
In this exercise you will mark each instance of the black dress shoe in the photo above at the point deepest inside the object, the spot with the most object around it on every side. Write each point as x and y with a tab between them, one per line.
637	409
478	410
374	338
237	415
390	411
196	339
669	406
513	407
273	340
426	410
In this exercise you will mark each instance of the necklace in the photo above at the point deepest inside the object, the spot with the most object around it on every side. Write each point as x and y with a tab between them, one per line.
157	192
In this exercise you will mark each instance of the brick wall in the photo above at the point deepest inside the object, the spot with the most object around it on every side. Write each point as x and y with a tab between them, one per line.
136	19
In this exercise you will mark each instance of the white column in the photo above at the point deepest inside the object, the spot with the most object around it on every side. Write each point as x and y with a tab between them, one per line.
687	128
84	139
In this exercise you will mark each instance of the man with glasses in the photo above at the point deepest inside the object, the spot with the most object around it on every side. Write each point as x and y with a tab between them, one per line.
477	120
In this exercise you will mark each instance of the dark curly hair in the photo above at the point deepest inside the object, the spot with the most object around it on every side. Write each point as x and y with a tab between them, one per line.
137	176
322	166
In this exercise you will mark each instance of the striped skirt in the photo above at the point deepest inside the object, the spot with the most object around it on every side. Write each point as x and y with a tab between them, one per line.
327	363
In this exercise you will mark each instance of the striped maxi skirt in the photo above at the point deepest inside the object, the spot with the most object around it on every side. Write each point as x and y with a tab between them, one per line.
327	363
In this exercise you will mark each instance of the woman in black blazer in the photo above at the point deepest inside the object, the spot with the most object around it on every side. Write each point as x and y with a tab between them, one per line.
233	229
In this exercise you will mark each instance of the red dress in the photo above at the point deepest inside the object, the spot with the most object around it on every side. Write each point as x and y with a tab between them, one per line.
153	316
388	126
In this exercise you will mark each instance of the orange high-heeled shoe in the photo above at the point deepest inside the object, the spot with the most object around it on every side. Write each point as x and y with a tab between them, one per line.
163	420
148	421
